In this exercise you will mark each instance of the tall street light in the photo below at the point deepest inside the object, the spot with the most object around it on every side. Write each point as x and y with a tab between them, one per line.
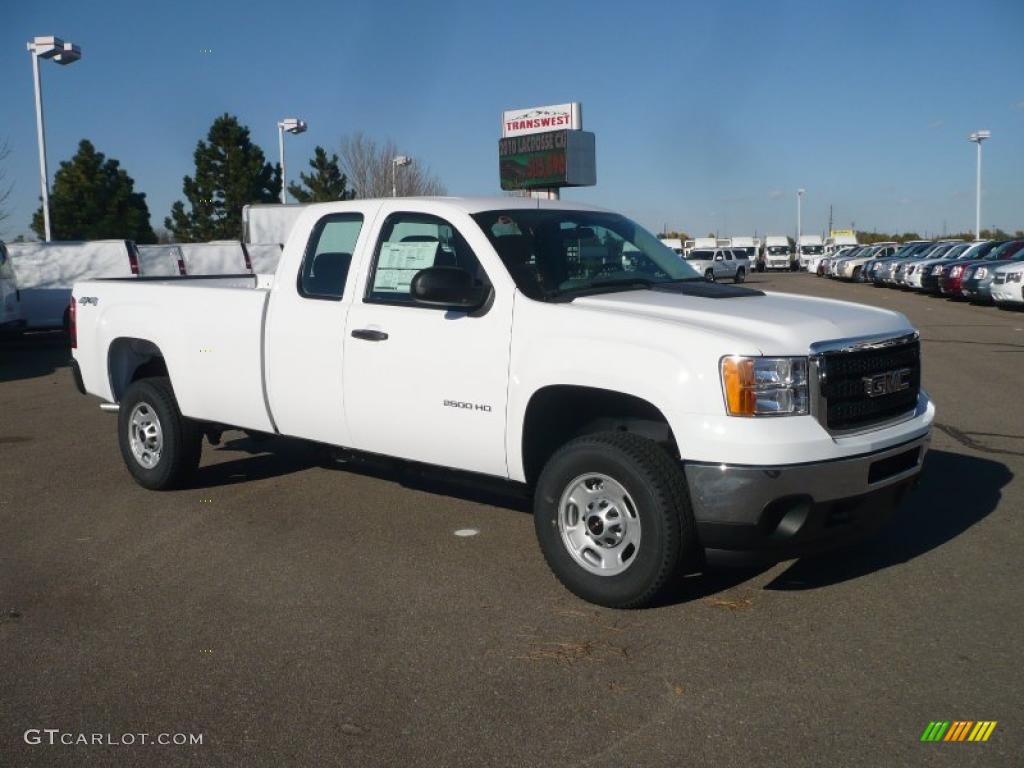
799	217
398	160
977	137
48	47
292	125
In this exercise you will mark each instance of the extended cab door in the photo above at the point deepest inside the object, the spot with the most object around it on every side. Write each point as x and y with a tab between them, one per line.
424	383
305	326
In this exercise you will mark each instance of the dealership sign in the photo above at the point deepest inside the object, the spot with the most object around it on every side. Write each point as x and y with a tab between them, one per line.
547	160
521	122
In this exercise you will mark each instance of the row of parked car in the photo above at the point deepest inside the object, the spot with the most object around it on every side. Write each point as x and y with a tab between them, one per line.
983	271
36	278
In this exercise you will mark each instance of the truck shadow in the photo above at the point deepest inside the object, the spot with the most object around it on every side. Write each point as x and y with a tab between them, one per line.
263	458
32	355
956	491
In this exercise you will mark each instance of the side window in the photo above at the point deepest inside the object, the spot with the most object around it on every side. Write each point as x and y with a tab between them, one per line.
410	242
728	256
329	255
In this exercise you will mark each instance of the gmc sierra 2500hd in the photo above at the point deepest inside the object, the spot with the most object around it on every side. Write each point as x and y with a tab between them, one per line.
654	415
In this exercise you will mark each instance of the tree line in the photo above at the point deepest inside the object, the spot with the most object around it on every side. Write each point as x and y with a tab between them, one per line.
94	198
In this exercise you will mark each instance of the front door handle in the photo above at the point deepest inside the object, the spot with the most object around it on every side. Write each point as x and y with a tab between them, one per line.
368	334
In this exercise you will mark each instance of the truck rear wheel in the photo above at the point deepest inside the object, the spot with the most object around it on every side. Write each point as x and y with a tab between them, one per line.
613	519
740	276
160	447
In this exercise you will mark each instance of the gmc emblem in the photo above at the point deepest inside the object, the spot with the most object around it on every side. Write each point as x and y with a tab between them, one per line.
887	383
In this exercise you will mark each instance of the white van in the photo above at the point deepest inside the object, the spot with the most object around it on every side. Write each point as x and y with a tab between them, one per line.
46	271
263	257
219	257
778	254
809	248
11	319
674	243
160	261
700	242
269	222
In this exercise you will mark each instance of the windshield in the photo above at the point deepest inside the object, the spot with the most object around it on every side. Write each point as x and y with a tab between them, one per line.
554	253
701	255
1006	250
981	250
811	250
778	250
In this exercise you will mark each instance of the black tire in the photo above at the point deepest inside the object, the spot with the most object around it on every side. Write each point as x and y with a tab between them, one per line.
741	275
709	275
656	486
181	439
856	275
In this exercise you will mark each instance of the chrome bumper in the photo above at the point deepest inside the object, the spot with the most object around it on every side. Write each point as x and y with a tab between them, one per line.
797	508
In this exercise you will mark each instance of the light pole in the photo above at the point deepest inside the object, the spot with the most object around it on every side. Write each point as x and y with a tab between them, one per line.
799	216
977	137
293	125
398	160
48	47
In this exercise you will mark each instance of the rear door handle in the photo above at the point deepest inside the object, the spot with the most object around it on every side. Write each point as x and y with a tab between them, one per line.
368	334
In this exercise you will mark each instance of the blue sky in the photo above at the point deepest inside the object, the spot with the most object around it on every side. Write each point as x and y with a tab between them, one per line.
708	115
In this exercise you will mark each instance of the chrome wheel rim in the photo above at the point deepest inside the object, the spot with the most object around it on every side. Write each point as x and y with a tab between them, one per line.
145	435
599	524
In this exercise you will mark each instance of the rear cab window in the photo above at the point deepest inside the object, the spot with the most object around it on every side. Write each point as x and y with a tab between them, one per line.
328	256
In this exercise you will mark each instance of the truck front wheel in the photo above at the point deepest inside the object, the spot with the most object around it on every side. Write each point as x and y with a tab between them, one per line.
160	447
613	519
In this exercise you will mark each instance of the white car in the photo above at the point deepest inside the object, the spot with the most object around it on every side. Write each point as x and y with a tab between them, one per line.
719	263
560	346
1008	284
11	318
855	267
909	273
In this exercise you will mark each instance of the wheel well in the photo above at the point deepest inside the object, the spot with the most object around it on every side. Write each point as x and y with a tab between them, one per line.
557	414
129	360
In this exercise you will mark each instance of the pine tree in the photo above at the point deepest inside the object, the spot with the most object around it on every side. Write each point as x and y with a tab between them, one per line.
93	198
231	172
325	184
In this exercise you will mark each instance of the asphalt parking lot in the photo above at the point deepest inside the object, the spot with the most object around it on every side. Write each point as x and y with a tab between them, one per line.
295	614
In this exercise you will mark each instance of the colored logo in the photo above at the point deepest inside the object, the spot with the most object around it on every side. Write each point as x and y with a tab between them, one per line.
959	730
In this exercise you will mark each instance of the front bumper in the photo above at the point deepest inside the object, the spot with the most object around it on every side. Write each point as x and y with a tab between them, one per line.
977	290
780	512
1007	293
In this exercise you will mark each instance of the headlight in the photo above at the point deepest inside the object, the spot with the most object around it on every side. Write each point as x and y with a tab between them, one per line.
765	386
955	271
981	274
937	270
1013	277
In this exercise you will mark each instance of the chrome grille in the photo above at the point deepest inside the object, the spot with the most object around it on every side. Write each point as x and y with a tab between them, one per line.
844	372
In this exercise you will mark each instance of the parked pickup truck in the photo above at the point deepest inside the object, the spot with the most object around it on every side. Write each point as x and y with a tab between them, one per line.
654	415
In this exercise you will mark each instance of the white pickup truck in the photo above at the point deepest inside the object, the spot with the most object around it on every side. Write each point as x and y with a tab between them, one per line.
655	415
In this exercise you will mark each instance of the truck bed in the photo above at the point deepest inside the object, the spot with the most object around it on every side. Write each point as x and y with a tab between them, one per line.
210	326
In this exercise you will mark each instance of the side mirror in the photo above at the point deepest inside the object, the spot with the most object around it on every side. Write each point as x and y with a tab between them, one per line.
719	257
449	288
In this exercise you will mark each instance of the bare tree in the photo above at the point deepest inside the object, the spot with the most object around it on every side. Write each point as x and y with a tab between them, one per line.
5	190
368	165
